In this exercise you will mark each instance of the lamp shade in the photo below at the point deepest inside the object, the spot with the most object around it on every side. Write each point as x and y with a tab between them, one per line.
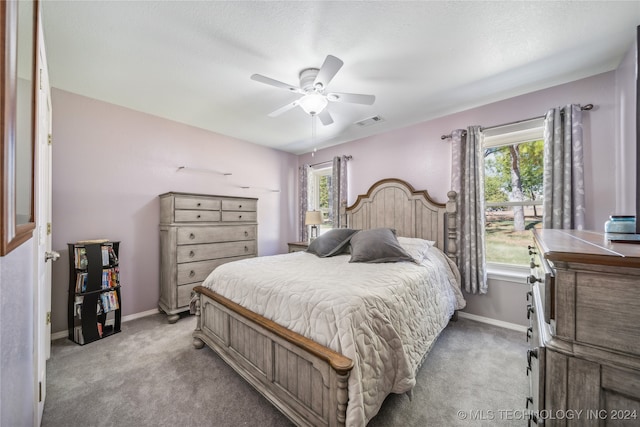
313	218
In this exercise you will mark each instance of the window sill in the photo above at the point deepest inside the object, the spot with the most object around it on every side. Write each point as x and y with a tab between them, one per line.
508	273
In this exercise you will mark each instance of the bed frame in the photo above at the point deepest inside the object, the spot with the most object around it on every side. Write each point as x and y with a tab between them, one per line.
303	379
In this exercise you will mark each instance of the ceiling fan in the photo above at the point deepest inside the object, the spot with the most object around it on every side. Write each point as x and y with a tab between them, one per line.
313	82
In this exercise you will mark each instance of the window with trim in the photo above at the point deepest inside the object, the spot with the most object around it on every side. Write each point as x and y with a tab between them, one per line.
513	183
319	193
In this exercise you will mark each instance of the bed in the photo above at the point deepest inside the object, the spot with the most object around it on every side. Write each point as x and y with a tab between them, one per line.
322	355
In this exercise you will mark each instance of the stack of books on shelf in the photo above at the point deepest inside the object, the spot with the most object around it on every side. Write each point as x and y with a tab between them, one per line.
109	301
110	277
81	282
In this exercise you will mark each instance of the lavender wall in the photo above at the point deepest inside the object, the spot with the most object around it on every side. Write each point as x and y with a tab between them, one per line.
419	156
111	163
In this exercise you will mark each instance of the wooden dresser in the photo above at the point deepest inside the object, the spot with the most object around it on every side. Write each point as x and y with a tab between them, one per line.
199	232
584	309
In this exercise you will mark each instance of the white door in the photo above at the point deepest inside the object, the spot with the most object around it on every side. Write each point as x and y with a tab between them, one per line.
44	256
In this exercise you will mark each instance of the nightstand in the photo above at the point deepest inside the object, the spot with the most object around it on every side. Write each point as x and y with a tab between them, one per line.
298	246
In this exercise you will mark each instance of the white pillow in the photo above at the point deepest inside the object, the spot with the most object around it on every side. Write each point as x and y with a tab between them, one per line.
417	248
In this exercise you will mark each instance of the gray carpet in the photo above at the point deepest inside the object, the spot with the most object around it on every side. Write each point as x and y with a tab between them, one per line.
150	375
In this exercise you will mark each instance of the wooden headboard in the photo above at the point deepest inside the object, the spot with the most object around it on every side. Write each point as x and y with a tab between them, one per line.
395	204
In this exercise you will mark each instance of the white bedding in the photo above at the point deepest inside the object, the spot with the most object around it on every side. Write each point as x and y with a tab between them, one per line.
385	317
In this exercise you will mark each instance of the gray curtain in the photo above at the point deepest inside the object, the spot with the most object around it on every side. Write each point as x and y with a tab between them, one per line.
338	198
563	181
303	186
467	178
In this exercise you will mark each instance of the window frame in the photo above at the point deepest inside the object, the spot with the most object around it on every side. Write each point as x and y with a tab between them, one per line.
313	190
503	136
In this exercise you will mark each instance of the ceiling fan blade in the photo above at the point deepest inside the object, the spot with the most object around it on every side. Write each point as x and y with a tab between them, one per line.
325	117
283	109
328	70
352	98
262	79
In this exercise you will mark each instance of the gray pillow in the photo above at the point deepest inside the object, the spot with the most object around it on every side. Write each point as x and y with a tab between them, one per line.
376	246
333	242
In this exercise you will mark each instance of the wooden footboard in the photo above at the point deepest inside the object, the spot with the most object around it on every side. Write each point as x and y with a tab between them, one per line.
305	380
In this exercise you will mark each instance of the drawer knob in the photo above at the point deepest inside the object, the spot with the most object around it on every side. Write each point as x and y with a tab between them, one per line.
532	252
534	279
192	254
239	216
198	204
532	264
192	236
198	216
192	273
239	206
246	234
246	249
529	333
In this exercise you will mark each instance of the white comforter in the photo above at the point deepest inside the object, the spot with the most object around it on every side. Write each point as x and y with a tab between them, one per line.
385	317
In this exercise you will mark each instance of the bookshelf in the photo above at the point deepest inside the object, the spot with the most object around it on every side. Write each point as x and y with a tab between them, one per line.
94	290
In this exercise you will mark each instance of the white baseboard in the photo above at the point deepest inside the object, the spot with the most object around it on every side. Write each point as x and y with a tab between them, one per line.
494	322
65	334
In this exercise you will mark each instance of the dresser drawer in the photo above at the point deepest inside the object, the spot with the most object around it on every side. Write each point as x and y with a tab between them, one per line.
543	273
230	216
196	272
197	203
189	253
184	294
197	216
607	311
535	357
194	235
239	205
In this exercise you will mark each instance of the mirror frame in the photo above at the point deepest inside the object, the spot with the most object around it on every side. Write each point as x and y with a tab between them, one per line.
12	235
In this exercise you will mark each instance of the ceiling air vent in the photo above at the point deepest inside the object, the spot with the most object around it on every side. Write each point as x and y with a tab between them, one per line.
369	121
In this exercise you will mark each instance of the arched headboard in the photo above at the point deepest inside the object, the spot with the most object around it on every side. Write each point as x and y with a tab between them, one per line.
394	203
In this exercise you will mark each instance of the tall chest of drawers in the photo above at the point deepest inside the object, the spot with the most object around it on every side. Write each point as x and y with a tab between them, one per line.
584	336
198	233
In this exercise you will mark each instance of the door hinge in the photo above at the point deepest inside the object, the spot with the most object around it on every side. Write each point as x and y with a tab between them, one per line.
48	318
48	228
50	140
39	391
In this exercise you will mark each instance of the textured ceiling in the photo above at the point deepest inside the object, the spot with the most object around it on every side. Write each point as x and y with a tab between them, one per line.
191	61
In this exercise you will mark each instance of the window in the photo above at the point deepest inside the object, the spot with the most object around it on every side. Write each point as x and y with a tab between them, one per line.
513	168
319	193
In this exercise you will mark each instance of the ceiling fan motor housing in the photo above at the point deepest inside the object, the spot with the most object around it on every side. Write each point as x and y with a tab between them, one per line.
307	77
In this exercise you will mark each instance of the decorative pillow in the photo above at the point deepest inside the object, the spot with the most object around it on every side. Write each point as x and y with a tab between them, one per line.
415	247
331	243
376	246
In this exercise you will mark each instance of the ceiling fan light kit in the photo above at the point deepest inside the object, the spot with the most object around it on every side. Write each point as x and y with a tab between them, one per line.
313	103
313	82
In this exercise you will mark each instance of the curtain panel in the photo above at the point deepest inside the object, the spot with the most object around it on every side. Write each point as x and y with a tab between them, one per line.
303	203
467	179
338	199
563	179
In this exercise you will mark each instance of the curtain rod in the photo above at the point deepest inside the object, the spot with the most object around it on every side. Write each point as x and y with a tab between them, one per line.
328	161
464	132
